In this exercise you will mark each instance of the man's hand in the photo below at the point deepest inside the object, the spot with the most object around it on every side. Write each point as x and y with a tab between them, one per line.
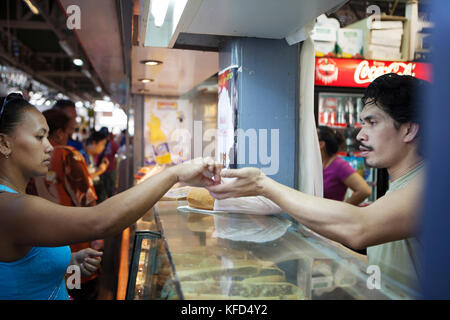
248	182
198	172
88	260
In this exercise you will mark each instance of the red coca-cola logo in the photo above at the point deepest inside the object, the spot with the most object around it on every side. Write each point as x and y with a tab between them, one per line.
326	70
365	73
360	73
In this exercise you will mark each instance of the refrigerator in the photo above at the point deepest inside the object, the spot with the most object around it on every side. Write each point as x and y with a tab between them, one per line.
339	87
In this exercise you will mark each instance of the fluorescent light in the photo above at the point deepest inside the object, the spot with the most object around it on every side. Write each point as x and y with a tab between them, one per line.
98	89
31	6
65	46
78	62
145	80
159	10
87	73
151	62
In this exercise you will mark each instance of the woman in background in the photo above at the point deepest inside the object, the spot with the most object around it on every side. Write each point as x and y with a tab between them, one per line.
338	175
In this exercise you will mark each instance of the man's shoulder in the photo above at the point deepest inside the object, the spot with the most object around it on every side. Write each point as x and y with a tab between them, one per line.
409	193
70	153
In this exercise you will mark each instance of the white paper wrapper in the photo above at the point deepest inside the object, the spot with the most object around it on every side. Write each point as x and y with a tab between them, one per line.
251	205
249	228
190	209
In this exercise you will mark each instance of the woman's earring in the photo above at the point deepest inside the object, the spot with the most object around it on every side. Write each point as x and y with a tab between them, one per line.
6	157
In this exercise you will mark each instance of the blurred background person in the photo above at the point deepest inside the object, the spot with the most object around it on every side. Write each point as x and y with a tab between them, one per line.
108	178
68	107
338	175
95	145
68	183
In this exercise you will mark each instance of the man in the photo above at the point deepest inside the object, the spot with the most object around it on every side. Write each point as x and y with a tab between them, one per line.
69	109
389	139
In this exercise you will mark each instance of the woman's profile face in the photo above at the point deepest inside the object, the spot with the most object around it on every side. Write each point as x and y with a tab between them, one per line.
30	149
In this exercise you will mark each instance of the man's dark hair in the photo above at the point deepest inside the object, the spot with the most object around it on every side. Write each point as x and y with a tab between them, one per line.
396	95
56	119
62	104
333	139
12	111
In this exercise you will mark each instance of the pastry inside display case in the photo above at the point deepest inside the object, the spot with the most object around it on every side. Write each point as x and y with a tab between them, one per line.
236	275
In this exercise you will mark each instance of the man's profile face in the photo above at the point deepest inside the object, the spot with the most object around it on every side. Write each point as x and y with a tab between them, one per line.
380	142
72	114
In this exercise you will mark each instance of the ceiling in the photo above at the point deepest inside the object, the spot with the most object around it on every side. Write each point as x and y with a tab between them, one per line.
113	36
252	18
181	70
191	55
100	36
31	43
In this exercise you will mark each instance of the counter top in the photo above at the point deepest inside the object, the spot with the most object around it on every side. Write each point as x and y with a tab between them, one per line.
241	256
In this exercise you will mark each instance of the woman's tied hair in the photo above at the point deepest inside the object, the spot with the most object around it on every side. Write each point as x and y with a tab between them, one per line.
13	106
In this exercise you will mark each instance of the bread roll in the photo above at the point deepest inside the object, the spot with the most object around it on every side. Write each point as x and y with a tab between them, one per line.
200	198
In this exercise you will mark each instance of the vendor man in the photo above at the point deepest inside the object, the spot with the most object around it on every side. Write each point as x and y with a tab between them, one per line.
388	139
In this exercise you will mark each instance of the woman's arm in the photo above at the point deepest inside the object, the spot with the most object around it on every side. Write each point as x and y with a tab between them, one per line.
360	188
33	221
101	168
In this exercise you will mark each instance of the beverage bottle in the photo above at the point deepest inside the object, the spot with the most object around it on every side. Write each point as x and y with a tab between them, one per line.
340	113
350	112
159	141
359	106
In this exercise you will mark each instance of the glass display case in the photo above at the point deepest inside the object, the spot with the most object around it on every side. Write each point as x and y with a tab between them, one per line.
194	256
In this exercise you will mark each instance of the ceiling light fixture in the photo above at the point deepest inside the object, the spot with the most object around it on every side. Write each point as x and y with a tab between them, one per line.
87	73
146	80
31	6
78	62
151	62
65	46
159	10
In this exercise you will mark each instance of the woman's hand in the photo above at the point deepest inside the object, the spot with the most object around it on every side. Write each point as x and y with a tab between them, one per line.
198	172
103	165
88	260
248	182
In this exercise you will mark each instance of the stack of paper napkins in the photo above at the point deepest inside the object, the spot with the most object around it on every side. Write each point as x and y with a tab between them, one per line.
385	40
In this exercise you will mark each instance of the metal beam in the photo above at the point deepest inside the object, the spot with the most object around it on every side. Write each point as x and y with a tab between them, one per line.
33	25
71	74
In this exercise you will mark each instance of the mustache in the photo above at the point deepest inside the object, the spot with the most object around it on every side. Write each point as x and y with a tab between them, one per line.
366	147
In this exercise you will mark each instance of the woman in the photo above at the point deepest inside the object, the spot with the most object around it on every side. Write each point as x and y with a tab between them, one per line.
68	183
34	232
95	145
338	175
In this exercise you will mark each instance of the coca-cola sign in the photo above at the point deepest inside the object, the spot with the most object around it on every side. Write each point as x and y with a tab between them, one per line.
360	73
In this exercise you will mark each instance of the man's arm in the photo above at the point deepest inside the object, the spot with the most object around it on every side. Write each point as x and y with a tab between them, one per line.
390	218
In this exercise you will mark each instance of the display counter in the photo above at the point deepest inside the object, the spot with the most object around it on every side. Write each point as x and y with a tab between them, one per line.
188	255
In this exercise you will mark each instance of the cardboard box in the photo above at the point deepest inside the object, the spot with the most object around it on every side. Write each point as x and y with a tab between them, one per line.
349	43
324	41
376	52
381	40
390	38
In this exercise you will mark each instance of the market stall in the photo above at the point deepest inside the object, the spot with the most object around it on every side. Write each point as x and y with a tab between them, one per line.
189	255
